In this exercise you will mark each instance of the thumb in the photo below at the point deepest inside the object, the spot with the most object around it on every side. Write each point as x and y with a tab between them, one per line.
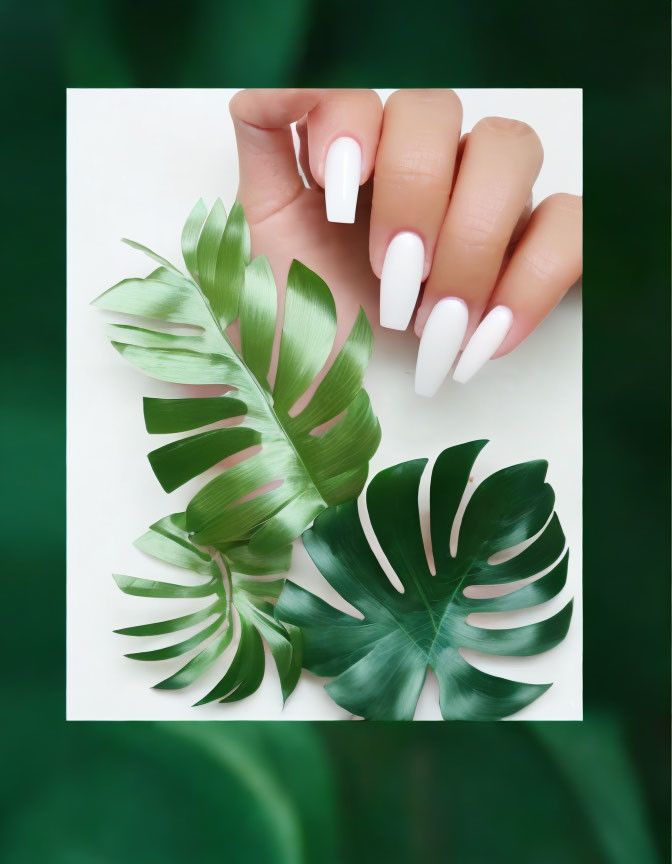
268	173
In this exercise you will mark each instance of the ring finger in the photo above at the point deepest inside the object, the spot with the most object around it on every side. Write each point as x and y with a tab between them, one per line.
500	163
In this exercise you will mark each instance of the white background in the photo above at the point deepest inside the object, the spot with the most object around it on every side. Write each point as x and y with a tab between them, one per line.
137	162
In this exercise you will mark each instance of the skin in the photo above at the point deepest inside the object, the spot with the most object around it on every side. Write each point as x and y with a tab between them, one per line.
468	198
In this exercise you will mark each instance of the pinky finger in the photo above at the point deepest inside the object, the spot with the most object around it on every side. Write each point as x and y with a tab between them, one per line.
546	262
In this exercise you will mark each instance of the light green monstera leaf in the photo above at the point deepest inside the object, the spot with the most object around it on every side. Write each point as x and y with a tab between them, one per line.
271	496
379	662
228	593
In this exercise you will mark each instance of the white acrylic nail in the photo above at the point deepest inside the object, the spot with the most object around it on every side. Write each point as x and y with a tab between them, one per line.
342	174
400	281
489	335
439	344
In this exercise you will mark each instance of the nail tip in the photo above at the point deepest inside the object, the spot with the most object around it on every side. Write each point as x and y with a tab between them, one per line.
462	377
341	219
425	393
484	343
393	325
390	319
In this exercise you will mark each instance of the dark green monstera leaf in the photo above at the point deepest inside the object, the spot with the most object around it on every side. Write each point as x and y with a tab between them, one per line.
228	593
274	492
379	662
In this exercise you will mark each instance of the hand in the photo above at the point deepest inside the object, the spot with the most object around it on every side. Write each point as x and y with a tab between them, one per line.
431	207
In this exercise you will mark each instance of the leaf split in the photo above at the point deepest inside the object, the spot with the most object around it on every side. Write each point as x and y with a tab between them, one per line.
225	590
379	663
222	286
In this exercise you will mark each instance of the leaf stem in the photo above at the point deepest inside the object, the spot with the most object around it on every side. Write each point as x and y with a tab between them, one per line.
227	581
263	396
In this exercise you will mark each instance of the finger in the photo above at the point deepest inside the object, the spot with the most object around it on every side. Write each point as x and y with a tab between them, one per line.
500	164
411	187
544	265
343	133
268	173
350	120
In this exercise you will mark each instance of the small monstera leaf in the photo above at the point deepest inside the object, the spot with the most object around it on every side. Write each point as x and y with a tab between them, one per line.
273	494
224	588
380	661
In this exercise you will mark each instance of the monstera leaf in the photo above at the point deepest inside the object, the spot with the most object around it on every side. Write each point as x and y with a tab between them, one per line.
380	661
224	588
270	496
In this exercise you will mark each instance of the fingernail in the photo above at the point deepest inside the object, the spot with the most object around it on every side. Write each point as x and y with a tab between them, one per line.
342	174
439	344
489	335
400	280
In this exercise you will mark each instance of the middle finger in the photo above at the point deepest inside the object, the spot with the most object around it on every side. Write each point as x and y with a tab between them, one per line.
411	186
500	163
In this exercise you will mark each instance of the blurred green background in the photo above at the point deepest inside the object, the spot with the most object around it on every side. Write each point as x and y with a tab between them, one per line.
596	791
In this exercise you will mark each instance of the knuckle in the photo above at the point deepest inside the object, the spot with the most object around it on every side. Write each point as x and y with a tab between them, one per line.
563	202
508	128
398	98
375	103
481	224
477	233
366	98
415	167
505	126
543	265
237	101
442	99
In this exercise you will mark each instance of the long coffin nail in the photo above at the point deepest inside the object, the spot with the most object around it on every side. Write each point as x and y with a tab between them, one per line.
400	281
439	344
489	335
342	174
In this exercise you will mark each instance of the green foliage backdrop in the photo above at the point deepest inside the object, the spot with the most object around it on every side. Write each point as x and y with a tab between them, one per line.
466	793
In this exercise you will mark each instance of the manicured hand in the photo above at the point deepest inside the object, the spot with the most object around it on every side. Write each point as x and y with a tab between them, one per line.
402	190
